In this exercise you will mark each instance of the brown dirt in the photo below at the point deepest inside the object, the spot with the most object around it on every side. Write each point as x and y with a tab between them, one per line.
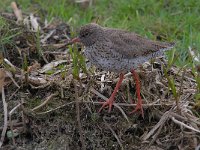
55	124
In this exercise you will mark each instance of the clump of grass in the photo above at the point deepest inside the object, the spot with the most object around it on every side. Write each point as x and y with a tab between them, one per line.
78	62
196	74
25	67
170	79
197	96
197	78
38	44
7	33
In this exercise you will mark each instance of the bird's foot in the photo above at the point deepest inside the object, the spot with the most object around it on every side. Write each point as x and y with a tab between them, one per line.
108	102
138	107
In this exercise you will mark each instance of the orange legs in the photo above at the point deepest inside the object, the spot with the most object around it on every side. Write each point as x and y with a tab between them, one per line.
139	103
110	101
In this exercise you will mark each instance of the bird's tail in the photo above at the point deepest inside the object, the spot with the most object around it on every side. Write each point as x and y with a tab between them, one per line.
169	46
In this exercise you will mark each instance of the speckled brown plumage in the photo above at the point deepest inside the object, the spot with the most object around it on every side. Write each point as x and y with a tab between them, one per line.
117	50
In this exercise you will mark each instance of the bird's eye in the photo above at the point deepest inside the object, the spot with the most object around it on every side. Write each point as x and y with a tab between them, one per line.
86	34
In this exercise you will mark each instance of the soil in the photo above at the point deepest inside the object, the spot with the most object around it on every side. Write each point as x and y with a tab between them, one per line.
51	109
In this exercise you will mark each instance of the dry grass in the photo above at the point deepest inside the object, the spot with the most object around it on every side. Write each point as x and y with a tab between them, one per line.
47	110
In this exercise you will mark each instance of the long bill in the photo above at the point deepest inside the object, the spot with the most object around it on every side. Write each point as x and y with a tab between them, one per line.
75	40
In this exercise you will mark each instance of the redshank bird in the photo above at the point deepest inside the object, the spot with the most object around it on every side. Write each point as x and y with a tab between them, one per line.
119	51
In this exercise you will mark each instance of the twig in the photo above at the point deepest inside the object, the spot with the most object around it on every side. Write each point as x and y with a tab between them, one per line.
13	67
56	53
194	138
22	112
192	118
113	132
184	125
195	56
34	23
46	101
105	98
10	122
125	76
41	86
13	94
48	36
51	65
99	103
5	117
156	134
17	11
61	92
130	105
160	123
78	117
33	80
13	80
14	125
198	147
58	46
51	110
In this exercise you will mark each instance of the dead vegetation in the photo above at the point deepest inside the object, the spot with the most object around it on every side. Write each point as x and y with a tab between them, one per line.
43	106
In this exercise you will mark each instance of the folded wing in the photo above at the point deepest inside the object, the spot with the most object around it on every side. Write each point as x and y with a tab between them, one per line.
132	45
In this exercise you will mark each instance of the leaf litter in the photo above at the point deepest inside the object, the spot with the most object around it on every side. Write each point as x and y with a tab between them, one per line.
48	109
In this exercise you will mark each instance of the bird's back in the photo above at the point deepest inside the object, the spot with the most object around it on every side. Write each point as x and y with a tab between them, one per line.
132	45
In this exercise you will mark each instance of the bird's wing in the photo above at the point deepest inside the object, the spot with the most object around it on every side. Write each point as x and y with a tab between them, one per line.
132	45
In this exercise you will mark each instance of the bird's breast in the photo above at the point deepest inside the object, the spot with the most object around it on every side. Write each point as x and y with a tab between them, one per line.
106	59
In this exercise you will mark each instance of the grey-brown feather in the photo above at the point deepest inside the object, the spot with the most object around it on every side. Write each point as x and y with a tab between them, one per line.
132	45
117	50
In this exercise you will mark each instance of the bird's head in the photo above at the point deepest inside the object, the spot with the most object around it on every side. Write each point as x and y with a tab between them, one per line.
89	34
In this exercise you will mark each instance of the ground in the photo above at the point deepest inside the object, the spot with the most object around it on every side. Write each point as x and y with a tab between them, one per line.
53	97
